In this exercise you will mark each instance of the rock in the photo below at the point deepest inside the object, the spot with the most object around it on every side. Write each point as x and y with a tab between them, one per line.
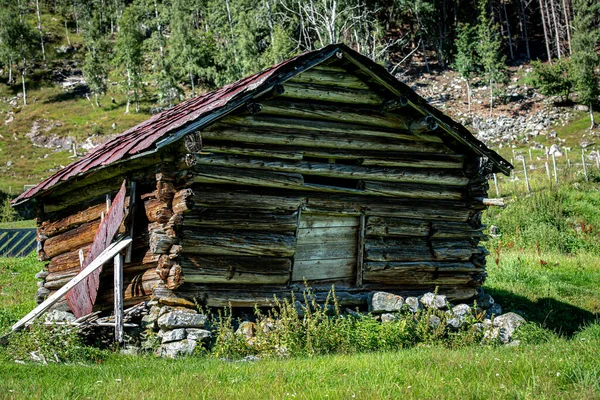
412	304
150	320
177	349
174	335
434	321
180	319
387	317
494	230
458	316
494	310
59	316
435	301
247	329
130	350
41	294
508	324
582	107
554	149
381	302
250	359
41	275
198	334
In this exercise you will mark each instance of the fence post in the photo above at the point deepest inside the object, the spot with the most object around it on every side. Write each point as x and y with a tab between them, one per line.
598	159
526	176
568	161
548	172
584	166
118	297
555	169
496	185
530	157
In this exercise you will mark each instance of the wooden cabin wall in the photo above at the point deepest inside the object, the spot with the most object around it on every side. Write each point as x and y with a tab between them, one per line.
325	147
69	219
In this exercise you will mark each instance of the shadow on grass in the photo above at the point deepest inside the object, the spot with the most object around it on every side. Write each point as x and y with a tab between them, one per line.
78	92
563	318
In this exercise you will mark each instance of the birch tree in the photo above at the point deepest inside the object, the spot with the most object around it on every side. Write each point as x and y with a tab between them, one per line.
128	55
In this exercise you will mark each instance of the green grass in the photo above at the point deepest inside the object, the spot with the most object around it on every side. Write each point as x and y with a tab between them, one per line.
18	224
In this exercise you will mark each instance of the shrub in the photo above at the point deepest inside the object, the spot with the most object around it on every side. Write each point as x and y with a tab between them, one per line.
552	79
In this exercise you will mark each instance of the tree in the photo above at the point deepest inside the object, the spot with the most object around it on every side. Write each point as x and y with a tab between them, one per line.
552	79
466	55
422	12
129	57
192	51
19	43
584	58
95	67
489	50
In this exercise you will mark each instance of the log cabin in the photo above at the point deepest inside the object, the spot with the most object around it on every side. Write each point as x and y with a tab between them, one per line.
321	170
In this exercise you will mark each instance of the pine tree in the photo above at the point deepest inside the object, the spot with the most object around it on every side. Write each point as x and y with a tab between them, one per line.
489	50
466	55
584	58
129	56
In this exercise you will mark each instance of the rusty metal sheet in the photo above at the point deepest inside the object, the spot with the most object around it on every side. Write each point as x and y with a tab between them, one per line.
82	297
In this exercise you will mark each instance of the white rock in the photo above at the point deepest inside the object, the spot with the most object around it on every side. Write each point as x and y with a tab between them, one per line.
177	349
173	336
435	301
382	302
179	319
198	334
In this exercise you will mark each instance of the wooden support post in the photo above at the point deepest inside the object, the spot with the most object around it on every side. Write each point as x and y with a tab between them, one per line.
584	166
530	156
132	208
598	160
548	171
102	258
118	296
496	185
81	257
526	176
554	168
568	161
360	252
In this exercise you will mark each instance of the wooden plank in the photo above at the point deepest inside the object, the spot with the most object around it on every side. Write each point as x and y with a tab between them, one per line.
93	266
67	260
413	249
234	270
416	191
325	251
329	94
63	242
132	214
313	270
299	137
327	235
81	299
256	177
237	243
400	130
382	226
409	175
243	199
321	221
329	78
242	220
118	297
54	227
361	251
263	151
413	162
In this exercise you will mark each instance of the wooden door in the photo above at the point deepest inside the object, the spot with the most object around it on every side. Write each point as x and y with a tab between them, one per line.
326	249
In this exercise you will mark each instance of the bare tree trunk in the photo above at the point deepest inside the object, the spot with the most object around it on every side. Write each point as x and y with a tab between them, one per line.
229	19
424	53
10	71
593	123
24	91
269	19
128	90
556	29
545	32
510	47
491	98
96	99
469	93
159	29
524	22
192	82
548	20
567	24
39	18
67	33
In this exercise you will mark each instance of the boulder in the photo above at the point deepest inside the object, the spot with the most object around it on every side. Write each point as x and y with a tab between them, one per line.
179	319
412	304
198	334
458	316
434	321
495	309
382	302
435	301
173	336
387	317
59	316
177	349
508	324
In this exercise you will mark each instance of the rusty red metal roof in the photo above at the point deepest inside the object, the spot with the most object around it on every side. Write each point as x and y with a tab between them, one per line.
192	114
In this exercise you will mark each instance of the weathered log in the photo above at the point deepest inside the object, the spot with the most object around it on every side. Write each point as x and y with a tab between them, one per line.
242	270
250	177
424	125
157	210
314	270
161	241
53	227
416	191
449	178
330	94
379	226
262	122
329	78
300	137
237	243
243	199
73	239
242	220
416	276
67	260
183	201
394	104
405	249
248	150
414	162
